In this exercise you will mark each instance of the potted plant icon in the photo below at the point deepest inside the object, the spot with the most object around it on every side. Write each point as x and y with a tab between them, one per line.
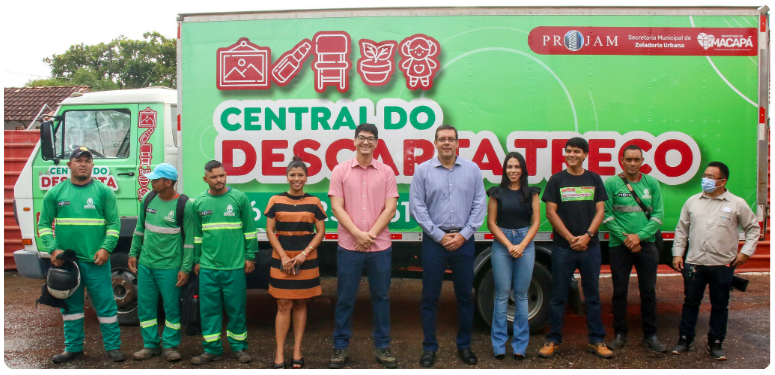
376	64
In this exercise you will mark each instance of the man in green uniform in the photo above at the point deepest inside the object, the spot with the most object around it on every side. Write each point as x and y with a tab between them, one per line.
224	251
86	218
632	242
167	255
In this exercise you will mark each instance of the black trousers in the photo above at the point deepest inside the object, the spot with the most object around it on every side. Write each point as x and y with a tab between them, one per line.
719	280
645	262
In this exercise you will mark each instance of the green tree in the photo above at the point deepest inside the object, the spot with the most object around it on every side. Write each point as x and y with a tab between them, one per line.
121	64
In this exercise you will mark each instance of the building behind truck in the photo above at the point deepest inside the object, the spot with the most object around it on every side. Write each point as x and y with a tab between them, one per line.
687	85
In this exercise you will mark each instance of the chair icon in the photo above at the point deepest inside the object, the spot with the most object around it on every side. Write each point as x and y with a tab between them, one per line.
332	60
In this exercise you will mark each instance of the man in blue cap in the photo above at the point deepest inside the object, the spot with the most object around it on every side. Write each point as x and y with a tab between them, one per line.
164	236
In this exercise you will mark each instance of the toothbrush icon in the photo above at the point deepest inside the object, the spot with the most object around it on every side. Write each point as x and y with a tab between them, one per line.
288	65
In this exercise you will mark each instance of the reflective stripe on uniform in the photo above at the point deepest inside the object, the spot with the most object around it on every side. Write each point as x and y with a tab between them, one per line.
112	232
237	337
214	226
72	316
107	320
250	235
172	325
43	232
80	221
213	337
657	220
161	230
608	219
197	239
139	233
147	323
619	208
188	246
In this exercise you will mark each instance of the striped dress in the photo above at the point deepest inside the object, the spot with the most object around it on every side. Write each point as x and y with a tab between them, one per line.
295	228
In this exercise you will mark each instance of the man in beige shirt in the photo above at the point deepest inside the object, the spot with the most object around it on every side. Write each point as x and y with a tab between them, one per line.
710	221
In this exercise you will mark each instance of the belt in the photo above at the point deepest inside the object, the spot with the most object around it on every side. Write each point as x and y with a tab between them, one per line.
450	230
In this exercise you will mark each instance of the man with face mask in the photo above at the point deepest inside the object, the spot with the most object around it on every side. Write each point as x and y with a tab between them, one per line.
710	222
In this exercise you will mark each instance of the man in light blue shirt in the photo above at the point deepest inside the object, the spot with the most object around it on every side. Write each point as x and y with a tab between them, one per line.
448	201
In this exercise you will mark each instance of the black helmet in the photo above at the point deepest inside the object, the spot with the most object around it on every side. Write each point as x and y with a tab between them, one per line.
63	281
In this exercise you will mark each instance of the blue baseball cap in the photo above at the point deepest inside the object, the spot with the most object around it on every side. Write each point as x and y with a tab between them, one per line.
163	170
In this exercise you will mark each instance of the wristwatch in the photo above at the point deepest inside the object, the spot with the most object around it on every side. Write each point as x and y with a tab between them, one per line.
590	234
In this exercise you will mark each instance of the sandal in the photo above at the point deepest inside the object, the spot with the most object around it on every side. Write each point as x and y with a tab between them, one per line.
279	365
298	363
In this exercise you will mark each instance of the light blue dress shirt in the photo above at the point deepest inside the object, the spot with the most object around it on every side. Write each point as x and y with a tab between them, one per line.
445	199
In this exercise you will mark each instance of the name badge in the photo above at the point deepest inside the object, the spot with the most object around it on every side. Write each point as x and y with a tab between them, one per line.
727	209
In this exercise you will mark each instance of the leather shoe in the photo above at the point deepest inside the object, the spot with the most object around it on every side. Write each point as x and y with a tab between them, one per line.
618	342
654	344
115	355
467	356
66	356
427	359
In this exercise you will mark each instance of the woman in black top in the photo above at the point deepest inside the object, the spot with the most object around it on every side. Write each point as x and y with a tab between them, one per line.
513	214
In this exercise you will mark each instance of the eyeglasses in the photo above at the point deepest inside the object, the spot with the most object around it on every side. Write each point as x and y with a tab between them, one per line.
712	177
448	139
363	139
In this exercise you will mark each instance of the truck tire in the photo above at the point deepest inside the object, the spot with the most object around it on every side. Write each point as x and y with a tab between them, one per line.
538	296
124	284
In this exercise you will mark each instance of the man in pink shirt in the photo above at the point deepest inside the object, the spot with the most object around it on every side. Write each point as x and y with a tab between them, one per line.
363	196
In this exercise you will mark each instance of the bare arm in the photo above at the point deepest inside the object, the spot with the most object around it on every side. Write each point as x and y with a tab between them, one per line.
535	221
599	214
557	224
384	218
492	214
275	242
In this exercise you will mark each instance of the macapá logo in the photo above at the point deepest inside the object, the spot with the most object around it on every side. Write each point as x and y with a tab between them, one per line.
248	66
257	139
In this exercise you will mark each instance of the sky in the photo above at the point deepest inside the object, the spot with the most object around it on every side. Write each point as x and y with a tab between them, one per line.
35	29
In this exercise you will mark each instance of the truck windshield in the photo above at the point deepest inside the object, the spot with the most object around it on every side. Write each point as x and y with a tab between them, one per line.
105	132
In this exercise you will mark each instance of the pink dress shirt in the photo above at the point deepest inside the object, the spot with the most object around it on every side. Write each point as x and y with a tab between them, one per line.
364	191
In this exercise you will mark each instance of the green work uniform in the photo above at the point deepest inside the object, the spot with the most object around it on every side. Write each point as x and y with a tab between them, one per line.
86	220
622	213
225	239
163	253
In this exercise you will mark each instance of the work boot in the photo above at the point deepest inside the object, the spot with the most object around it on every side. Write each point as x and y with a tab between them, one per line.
467	356
428	358
684	346
618	342
146	353
66	356
548	350
338	358
600	350
171	354
242	356
205	358
384	358
716	351
115	355
654	344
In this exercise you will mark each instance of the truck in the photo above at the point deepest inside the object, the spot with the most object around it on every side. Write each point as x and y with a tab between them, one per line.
689	85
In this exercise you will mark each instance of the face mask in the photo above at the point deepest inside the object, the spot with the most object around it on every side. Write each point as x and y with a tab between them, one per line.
708	185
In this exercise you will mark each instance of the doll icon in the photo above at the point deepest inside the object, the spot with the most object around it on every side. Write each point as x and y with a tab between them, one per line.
419	61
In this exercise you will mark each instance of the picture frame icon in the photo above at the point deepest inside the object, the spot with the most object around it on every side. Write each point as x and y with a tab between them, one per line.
244	66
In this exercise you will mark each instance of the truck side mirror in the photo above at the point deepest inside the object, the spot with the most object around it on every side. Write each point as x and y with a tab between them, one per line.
47	141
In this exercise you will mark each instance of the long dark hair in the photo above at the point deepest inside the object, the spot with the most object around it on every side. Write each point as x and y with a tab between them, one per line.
527	191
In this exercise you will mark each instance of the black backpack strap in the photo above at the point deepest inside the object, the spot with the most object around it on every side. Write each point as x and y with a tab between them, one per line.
179	212
635	196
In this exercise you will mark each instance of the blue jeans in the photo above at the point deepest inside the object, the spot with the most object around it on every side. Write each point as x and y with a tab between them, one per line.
564	264
350	265
434	265
511	274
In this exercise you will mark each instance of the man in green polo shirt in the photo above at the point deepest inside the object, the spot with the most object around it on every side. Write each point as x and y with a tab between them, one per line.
86	217
224	251
166	258
631	242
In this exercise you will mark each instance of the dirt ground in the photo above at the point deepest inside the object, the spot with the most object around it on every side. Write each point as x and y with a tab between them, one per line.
33	335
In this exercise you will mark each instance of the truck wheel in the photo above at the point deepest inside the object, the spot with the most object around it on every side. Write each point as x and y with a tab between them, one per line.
124	289
538	296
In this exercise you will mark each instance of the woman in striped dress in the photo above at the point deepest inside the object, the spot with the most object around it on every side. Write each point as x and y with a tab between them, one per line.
295	227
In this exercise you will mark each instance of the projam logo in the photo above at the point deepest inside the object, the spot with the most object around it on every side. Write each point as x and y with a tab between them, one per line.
170	217
63	203
229	211
624	195
89	204
150	210
205	213
573	40
736	41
